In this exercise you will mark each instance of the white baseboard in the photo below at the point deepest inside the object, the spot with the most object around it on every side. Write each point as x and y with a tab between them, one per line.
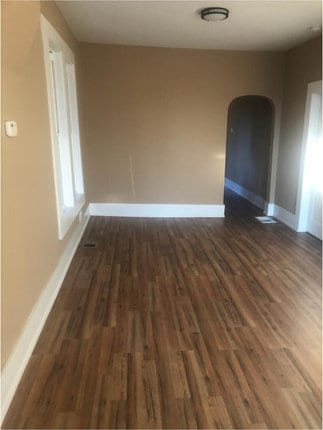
270	209
156	210
18	359
286	217
253	198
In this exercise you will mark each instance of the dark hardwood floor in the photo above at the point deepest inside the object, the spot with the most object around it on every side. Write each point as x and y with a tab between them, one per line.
181	323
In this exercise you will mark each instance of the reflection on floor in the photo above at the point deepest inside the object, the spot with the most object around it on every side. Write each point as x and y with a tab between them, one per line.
181	323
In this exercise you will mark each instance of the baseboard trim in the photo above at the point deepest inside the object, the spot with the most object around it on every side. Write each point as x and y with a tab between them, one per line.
252	197
270	209
156	210
286	217
18	359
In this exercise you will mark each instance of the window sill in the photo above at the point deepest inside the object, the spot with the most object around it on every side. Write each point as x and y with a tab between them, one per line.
68	216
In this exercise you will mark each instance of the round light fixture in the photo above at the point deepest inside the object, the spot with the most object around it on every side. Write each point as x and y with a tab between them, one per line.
214	14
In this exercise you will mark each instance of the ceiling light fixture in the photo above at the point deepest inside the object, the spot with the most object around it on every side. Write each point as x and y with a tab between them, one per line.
213	14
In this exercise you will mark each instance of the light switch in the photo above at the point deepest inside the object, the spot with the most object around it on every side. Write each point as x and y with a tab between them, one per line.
11	128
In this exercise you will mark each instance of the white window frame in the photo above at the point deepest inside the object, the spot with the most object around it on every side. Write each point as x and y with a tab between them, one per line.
64	127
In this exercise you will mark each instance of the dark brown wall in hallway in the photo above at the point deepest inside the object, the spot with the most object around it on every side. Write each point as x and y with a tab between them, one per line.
249	143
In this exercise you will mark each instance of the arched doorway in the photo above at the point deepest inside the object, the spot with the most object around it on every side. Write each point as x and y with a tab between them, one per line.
248	155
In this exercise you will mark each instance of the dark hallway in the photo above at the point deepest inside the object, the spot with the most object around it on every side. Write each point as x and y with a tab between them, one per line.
237	206
248	154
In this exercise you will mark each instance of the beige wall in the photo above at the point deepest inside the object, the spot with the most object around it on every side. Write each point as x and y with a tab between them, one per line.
155	119
303	65
54	16
30	245
154	122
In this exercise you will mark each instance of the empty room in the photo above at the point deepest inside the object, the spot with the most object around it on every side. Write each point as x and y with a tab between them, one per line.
161	222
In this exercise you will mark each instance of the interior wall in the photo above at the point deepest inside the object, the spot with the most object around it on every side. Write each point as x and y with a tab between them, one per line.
249	139
303	65
154	123
30	245
155	119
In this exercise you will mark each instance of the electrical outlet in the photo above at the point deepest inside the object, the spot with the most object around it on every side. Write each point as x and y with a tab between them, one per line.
11	128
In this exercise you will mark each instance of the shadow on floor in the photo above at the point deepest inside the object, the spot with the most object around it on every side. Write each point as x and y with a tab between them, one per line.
237	206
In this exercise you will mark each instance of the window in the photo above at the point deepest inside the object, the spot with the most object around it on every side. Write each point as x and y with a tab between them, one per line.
62	103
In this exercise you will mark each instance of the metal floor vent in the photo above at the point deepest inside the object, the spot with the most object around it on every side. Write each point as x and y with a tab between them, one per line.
89	245
265	220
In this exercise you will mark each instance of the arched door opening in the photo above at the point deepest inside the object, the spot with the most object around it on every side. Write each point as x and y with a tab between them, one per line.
248	155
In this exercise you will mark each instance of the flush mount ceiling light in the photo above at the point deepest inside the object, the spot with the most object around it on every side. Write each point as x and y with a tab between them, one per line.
214	14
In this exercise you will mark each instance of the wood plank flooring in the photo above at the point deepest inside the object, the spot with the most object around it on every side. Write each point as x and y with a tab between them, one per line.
181	323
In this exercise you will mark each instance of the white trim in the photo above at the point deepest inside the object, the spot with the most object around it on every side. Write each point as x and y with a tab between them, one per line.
68	216
69	202
302	198
18	359
156	210
270	209
246	194
285	217
75	135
